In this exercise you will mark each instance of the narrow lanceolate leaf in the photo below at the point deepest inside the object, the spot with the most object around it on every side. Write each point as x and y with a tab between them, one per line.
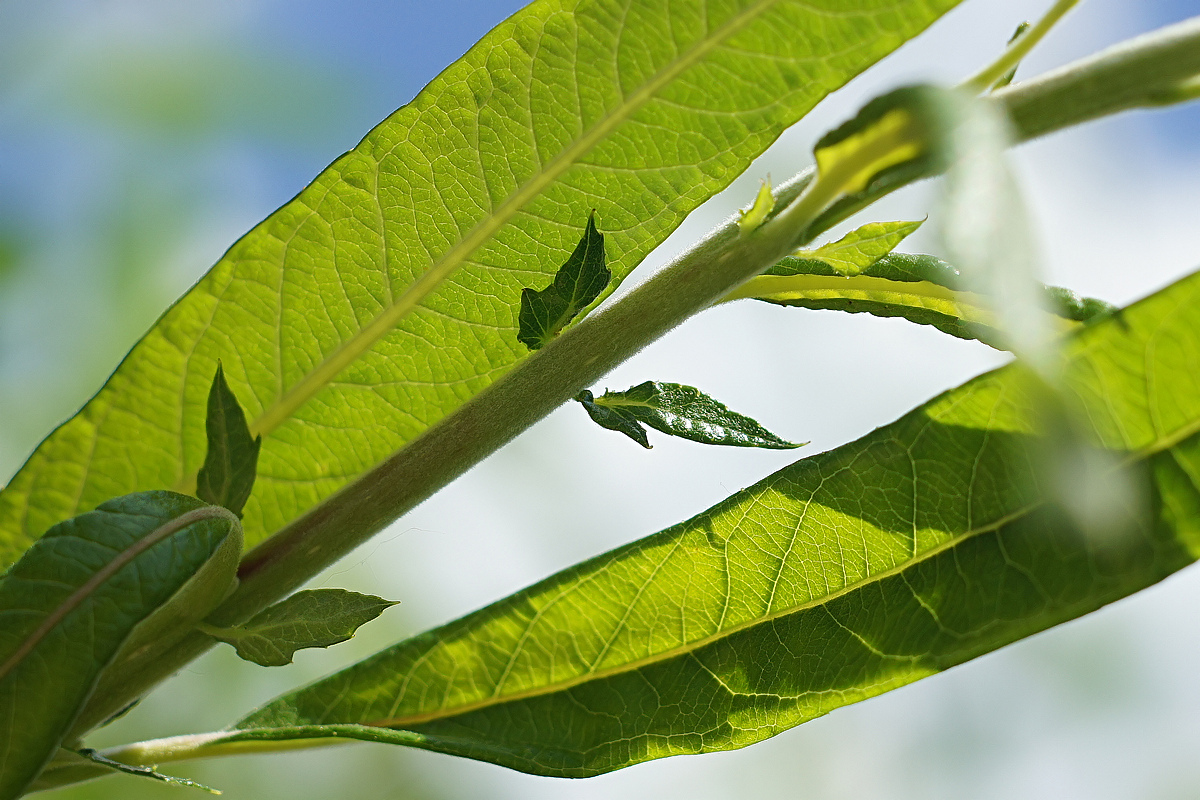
227	476
918	547
578	282
920	288
677	410
311	618
76	597
386	294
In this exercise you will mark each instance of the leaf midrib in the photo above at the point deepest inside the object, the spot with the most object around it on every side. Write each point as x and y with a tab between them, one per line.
366	337
1163	444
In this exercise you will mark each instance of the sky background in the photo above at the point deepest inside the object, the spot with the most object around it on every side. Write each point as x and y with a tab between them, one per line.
138	139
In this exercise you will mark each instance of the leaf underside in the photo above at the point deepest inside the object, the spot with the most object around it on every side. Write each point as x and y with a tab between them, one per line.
62	622
920	546
384	295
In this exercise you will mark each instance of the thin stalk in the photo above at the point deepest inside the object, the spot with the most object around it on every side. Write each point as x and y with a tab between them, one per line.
1130	75
1020	47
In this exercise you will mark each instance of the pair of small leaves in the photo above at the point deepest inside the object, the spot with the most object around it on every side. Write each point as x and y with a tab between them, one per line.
578	282
677	410
669	407
311	618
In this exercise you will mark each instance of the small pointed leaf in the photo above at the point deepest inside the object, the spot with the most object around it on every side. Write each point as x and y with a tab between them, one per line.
678	410
232	459
764	203
920	288
906	133
578	282
856	251
69	604
311	618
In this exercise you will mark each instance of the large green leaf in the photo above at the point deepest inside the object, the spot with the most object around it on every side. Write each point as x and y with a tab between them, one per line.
385	294
922	545
74	602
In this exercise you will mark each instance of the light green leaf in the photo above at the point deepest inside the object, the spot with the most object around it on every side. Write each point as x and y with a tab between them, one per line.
227	476
753	218
918	547
311	618
920	288
578	282
856	251
73	601
385	295
677	410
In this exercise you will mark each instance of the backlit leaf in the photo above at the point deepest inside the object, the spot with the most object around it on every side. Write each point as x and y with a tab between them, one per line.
385	295
73	601
922	545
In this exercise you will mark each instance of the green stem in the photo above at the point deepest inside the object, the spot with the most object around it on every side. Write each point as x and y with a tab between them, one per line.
1017	49
1139	73
1130	75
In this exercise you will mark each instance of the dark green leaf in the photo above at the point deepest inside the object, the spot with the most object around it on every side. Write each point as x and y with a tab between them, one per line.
678	410
311	618
847	574
578	282
74	600
227	477
613	419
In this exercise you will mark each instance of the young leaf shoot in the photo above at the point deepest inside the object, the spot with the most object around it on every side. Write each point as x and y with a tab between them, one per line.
310	618
231	462
764	203
578	282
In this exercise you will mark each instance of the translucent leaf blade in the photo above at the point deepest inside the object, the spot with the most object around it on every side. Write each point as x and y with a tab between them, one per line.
384	295
847	574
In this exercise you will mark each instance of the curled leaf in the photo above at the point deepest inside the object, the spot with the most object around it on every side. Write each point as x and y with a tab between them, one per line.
764	203
70	603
